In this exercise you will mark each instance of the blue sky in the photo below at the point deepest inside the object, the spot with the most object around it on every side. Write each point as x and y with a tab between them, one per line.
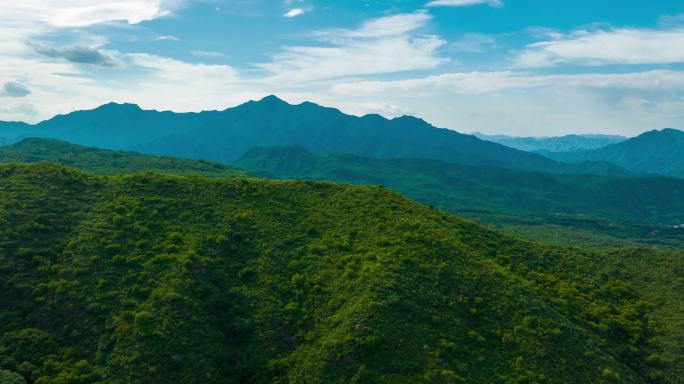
517	67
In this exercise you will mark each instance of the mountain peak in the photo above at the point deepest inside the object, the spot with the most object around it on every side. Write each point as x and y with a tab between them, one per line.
273	99
410	119
119	106
662	133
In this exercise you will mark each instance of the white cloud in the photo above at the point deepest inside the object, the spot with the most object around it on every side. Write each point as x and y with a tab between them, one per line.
465	3
388	26
167	38
485	82
524	103
80	13
294	12
615	46
385	45
62	78
473	42
200	53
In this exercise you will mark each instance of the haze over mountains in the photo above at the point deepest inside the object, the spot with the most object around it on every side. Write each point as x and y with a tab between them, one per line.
567	143
654	152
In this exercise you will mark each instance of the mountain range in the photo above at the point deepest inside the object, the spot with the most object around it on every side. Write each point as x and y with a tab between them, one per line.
567	143
654	152
224	136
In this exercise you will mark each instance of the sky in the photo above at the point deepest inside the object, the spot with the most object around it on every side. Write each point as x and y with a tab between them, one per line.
515	67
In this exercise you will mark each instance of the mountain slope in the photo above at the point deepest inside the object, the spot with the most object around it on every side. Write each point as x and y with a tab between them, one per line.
101	161
11	131
113	126
567	143
223	136
654	152
642	204
150	278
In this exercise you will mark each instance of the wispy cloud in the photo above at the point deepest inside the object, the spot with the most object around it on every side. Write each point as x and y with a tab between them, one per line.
473	42
294	12
614	46
384	45
80	13
200	53
537	104
465	3
486	82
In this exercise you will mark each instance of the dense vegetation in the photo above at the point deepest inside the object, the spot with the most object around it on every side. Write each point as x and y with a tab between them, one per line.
654	152
223	136
613	209
101	161
166	279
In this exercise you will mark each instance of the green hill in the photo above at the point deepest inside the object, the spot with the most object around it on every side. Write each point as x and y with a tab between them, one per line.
148	278
654	152
644	209
101	161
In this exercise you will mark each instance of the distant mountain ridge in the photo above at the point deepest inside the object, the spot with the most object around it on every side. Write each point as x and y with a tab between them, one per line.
223	136
567	143
654	152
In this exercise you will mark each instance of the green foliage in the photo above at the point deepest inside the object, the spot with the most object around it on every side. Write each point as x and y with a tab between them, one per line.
7	377
166	279
574	209
101	161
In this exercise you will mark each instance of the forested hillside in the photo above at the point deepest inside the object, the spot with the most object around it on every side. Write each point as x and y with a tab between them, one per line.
171	279
627	208
102	161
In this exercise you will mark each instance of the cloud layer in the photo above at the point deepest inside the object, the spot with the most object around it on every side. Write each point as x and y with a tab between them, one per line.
614	46
383	45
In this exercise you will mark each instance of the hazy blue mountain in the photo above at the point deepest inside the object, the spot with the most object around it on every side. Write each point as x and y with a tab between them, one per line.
472	190
223	136
273	122
567	143
11	131
654	152
119	126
